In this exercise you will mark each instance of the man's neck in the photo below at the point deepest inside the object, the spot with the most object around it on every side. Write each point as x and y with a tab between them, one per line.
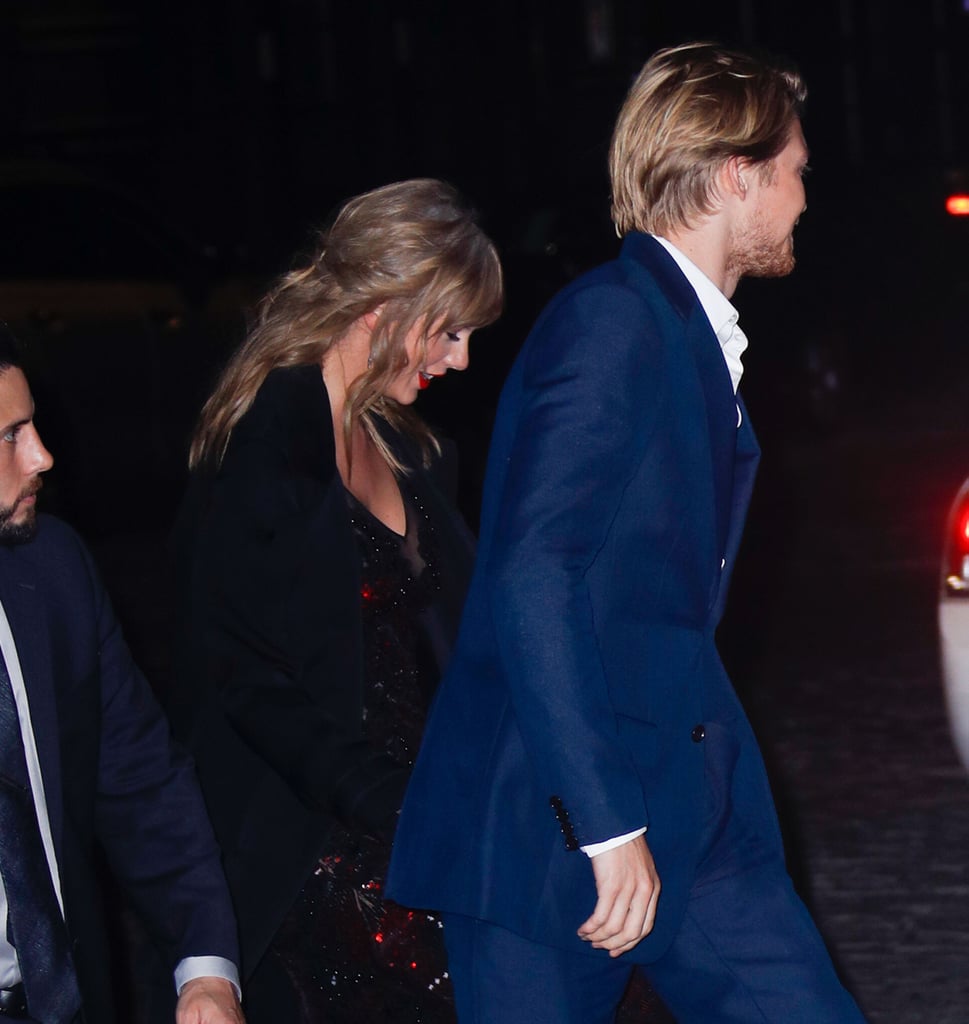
707	246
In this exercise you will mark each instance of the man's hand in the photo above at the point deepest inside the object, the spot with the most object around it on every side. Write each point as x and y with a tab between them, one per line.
628	887
208	1001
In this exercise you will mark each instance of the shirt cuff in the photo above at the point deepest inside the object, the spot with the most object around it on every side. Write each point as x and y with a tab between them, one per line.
610	844
193	967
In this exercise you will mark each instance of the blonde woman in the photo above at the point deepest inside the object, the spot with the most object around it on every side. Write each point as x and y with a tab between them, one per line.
321	572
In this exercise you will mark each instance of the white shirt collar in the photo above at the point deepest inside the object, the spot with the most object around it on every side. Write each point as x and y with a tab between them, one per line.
720	312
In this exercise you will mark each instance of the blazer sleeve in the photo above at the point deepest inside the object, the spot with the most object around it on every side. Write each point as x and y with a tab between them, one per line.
149	814
593	388
282	609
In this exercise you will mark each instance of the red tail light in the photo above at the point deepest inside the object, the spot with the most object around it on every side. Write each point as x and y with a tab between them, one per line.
956	566
958	204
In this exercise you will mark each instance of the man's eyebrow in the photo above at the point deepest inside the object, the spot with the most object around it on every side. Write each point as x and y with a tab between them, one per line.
16	425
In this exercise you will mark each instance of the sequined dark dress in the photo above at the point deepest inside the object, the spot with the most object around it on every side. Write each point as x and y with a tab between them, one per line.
351	956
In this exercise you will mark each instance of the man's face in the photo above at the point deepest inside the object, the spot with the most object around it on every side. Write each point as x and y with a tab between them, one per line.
23	458
764	243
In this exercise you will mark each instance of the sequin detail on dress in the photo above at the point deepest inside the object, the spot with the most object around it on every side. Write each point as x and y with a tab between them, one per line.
353	956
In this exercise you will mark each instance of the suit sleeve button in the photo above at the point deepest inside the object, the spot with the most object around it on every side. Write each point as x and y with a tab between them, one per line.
698	734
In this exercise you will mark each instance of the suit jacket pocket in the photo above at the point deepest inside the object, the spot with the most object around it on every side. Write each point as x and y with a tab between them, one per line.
652	671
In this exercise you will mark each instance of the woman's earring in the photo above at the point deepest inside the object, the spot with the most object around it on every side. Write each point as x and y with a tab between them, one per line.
370	361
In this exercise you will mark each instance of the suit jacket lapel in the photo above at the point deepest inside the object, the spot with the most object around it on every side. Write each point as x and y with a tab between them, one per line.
721	407
748	456
714	378
27	615
745	469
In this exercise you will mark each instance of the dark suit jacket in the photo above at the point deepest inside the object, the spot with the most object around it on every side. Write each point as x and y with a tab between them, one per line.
110	772
269	656
617	487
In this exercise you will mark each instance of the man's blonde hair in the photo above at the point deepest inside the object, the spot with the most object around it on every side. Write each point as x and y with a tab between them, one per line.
691	108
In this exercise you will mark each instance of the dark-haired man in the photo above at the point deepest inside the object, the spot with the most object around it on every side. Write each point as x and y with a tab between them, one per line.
85	757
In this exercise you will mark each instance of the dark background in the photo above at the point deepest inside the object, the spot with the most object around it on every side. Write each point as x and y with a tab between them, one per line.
160	162
179	154
246	122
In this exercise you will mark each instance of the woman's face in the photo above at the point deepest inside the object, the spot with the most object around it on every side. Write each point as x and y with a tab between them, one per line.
444	350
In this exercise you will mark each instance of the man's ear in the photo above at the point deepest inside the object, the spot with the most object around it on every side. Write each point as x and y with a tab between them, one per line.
735	176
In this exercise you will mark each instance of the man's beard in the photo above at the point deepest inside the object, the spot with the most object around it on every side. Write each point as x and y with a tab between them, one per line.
758	253
24	529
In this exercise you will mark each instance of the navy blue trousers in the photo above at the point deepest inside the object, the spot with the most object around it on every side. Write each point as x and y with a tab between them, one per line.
747	951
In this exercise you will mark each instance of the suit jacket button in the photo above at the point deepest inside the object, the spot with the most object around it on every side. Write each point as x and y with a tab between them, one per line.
698	734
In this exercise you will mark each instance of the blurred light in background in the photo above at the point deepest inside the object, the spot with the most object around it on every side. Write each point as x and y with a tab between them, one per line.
958	203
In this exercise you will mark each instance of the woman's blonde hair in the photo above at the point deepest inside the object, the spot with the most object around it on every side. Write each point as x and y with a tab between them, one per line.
413	251
690	109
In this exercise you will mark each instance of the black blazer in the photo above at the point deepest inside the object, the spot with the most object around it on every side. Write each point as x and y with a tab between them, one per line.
111	774
269	659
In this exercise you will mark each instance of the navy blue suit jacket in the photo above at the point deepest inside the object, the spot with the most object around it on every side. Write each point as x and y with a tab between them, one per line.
617	486
111	774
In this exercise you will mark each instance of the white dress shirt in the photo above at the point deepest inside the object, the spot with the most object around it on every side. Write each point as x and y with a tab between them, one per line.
188	968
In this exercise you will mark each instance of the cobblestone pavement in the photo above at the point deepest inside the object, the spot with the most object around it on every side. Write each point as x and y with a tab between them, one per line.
843	684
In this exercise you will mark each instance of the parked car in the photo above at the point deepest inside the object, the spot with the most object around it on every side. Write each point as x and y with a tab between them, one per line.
124	318
954	621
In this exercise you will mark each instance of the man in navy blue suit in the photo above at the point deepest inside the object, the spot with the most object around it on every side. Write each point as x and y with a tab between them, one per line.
86	758
589	796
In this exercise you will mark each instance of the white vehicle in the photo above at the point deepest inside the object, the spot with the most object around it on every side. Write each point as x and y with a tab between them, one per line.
954	621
